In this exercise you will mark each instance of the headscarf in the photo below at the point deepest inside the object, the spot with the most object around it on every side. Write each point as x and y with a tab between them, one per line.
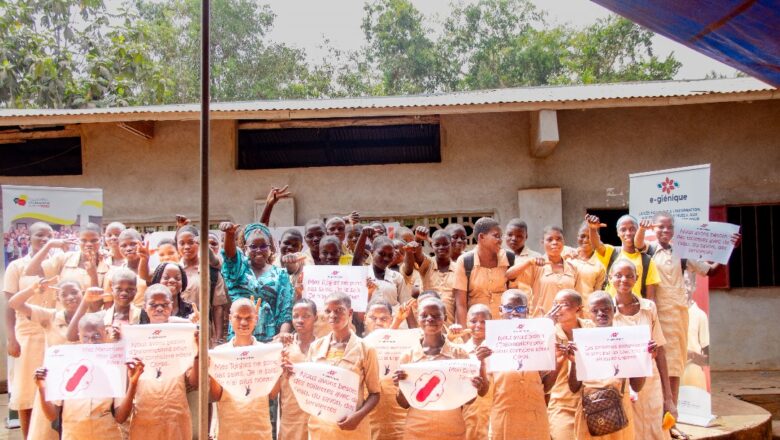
252	227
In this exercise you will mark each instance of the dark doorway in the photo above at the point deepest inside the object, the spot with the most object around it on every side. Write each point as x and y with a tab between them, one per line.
610	218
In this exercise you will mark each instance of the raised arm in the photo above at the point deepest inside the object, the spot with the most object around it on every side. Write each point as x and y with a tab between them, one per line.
134	370
91	295
18	302
273	196
50	410
522	265
639	238
594	224
35	266
230	230
360	247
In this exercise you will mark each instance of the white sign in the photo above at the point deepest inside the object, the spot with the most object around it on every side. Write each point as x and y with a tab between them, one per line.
167	350
694	407
520	344
321	281
390	345
606	352
704	241
439	385
53	205
683	192
84	371
327	392
246	372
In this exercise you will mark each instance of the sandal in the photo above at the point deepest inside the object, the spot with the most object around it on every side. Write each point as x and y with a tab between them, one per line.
677	434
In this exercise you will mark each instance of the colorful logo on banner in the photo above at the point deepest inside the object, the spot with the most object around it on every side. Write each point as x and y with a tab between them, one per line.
21	200
668	185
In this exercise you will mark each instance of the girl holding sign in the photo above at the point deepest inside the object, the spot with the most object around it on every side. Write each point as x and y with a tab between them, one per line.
294	421
343	348
603	309
242	419
91	418
448	424
477	413
655	398
519	408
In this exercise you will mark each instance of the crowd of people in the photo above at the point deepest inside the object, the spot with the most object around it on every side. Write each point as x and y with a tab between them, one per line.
16	241
257	296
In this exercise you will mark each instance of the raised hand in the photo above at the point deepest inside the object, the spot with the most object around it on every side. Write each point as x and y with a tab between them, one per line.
353	217
483	352
594	222
182	220
134	370
275	194
293	258
40	376
93	294
229	228
195	316
398	376
421	234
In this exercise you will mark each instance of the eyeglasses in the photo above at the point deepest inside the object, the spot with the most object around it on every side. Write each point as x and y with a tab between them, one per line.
256	248
518	309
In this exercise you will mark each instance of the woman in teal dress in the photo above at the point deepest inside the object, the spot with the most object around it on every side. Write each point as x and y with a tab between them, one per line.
249	274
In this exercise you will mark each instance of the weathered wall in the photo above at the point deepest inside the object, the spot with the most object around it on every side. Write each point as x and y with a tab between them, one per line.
485	161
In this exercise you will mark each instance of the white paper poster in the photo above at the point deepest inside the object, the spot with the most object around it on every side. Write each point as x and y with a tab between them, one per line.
704	241
439	385
321	281
683	192
325	391
82	371
167	350
390	345
606	352
520	344
247	372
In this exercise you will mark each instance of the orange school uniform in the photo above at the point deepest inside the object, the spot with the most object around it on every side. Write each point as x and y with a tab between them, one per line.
486	284
442	282
522	282
591	276
160	410
90	419
547	283
294	421
66	265
476	414
581	427
519	410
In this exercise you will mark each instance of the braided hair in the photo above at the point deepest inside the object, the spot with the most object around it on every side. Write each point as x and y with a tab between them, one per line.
158	273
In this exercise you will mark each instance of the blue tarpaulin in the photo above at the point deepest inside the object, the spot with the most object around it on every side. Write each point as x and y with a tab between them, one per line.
744	34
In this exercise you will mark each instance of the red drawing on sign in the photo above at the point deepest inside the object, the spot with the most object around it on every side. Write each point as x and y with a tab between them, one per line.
429	387
520	326
156	332
614	335
77	377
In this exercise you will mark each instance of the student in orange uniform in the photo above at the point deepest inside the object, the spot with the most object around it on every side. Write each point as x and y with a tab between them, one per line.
122	312
240	419
439	273
516	235
476	414
294	421
91	418
458	240
592	273
343	348
134	257
436	425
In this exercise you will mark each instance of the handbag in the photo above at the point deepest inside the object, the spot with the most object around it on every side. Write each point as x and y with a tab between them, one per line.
604	412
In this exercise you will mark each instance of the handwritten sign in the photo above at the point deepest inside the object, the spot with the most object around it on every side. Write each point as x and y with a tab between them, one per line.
606	352
165	349
321	281
704	241
246	372
324	391
390	345
520	344
83	371
439	385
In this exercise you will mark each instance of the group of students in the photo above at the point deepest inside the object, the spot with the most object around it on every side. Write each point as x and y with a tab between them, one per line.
257	296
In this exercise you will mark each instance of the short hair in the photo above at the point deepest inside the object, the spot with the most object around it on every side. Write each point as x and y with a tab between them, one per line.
428	294
130	233
381	226
157	289
242	302
378	301
663	214
67	281
517	223
452	226
124	274
600	295
380	241
573	294
480	308
484	225
306	302
92	227
95	319
216	236
119	225
401	231
39	225
158	273
330	239
186	228
435	301
293	232
514	293
164	241
625	217
549	228
441	233
313	222
356	227
334	220
340	297
622	262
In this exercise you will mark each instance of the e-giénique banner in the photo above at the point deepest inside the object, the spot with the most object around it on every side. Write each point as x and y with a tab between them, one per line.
439	385
683	192
167	350
246	372
327	392
520	344
85	371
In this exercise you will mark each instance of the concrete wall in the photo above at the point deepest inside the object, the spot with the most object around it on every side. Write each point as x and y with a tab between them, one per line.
485	161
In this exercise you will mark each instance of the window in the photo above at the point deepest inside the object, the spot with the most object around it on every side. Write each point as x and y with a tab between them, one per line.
41	157
609	217
338	146
436	222
756	263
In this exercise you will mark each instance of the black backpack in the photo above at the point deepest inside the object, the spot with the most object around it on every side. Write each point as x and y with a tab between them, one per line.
468	264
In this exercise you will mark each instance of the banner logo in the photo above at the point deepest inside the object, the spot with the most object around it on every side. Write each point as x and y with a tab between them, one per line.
668	185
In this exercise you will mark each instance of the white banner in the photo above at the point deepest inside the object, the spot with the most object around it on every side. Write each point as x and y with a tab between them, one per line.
325	391
247	372
84	371
390	345
683	192
53	205
520	344
167	350
439	385
605	352
321	281
704	241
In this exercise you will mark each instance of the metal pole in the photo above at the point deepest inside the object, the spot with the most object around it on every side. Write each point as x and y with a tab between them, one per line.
205	303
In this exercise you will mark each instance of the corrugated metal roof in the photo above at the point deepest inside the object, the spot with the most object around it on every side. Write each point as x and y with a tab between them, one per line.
570	95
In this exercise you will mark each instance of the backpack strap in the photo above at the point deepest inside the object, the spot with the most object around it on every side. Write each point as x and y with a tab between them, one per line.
646	259
213	278
612	259
510	256
683	264
468	264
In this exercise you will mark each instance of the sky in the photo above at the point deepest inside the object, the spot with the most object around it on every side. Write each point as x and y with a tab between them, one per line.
308	23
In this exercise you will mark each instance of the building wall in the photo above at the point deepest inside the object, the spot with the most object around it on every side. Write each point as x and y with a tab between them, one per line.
485	161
